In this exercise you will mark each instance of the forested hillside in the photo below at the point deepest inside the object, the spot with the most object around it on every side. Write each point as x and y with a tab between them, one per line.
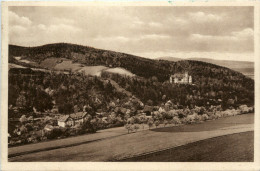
210	82
245	67
142	67
39	92
44	91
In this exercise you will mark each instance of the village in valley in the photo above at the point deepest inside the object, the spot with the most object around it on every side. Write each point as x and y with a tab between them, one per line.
39	126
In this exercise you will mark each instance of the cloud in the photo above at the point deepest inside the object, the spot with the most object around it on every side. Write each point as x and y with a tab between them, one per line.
210	38
154	37
155	24
111	39
23	29
180	21
135	39
194	54
59	20
62	28
202	17
14	19
236	41
41	27
136	29
16	29
245	34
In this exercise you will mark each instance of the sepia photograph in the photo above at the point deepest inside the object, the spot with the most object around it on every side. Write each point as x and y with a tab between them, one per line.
124	83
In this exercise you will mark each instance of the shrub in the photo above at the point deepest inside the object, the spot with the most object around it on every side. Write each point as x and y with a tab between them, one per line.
93	125
143	120
197	118
251	109
244	109
176	120
157	115
202	111
173	113
130	120
234	112
157	123
90	126
212	117
211	113
56	132
184	120
150	122
190	119
118	123
225	113
136	127
136	119
23	119
167	115
161	110
47	119
30	118
23	129
129	127
29	127
219	114
181	114
205	117
32	139
197	109
165	122
186	112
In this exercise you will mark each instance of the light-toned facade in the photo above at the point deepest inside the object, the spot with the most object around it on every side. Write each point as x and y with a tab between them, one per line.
179	78
72	119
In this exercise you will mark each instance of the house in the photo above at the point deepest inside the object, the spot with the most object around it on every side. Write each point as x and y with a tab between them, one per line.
78	117
48	128
65	121
180	78
72	119
148	110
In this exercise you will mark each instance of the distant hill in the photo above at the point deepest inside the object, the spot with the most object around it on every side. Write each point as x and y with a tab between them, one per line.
48	56
72	57
246	68
147	79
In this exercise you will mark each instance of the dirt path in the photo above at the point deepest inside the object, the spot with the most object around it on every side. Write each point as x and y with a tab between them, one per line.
119	88
117	145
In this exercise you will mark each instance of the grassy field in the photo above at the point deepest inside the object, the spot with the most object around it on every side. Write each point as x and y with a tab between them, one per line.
121	71
210	125
228	148
61	64
123	145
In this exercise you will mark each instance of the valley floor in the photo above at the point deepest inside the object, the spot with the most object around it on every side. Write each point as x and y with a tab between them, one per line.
237	147
116	145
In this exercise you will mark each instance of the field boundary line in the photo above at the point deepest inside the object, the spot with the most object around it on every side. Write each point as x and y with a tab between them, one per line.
168	148
61	146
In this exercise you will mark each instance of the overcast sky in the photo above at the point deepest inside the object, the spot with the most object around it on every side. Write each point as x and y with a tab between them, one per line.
211	32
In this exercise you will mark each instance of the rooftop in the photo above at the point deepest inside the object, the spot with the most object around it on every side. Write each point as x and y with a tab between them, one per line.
78	115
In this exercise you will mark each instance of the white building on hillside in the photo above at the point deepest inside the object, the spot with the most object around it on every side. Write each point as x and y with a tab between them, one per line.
180	78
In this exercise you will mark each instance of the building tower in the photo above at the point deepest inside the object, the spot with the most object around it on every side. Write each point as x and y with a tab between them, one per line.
190	79
186	77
